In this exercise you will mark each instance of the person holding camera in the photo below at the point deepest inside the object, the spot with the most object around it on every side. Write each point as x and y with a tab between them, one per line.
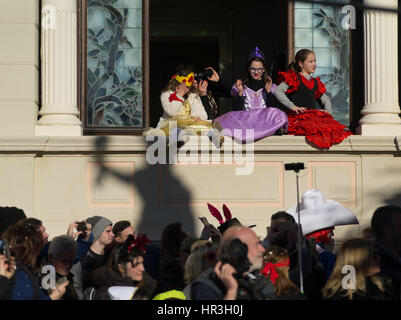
7	279
182	106
254	105
209	87
83	236
236	274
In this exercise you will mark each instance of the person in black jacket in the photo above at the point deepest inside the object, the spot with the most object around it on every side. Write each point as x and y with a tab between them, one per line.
356	274
386	226
236	275
61	255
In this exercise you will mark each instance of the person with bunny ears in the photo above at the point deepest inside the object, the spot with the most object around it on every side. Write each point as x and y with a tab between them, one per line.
230	221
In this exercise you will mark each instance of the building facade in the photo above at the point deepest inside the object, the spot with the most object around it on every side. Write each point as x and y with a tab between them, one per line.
56	168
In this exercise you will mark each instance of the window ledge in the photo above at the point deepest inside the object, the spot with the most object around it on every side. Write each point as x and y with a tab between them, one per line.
137	144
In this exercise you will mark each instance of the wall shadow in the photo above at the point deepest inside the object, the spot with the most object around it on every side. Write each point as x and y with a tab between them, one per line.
149	183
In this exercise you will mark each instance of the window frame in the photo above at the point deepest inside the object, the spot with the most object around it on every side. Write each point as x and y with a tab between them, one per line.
354	115
82	11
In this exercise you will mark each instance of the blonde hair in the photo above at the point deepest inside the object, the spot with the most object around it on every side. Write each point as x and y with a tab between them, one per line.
358	253
202	256
283	285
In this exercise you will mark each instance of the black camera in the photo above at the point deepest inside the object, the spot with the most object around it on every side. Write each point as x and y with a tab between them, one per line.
237	256
203	75
294	166
82	226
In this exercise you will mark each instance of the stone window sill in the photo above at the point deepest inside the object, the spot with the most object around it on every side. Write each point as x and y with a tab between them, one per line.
137	144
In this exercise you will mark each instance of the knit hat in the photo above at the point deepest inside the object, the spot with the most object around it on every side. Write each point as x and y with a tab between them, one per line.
98	225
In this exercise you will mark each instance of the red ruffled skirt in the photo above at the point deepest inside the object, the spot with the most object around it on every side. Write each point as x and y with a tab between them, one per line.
318	127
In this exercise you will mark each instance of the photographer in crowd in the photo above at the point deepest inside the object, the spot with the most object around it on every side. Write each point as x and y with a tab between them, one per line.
236	274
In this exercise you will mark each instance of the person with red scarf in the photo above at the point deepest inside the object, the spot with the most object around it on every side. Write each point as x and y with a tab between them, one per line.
276	267
308	107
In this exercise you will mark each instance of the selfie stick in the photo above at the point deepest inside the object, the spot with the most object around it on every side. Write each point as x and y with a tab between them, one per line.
301	278
297	167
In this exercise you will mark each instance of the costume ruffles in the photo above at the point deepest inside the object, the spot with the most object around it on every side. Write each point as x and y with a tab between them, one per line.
291	79
318	127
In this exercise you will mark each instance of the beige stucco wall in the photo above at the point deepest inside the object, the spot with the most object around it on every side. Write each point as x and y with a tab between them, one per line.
61	179
19	67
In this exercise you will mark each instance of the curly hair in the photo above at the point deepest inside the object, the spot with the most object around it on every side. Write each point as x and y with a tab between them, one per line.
26	243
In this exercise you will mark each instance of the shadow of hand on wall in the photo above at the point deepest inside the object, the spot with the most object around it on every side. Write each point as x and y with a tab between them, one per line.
163	197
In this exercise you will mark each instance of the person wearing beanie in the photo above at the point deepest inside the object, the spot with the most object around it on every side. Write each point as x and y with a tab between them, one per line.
102	232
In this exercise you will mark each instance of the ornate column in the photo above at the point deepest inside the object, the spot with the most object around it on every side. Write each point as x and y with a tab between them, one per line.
381	110
59	113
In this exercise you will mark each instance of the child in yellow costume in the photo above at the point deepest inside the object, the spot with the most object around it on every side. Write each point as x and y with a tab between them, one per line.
182	105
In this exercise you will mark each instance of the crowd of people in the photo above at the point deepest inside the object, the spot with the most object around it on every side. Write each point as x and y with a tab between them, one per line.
99	260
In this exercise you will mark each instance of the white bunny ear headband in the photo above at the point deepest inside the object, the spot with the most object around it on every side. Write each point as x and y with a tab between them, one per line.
230	221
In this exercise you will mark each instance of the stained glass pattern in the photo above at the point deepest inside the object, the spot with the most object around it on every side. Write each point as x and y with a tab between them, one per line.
114	63
320	28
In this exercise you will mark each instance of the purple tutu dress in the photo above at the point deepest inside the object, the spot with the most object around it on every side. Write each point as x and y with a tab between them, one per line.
261	120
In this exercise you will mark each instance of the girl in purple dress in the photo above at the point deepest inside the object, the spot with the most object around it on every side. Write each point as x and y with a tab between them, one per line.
254	105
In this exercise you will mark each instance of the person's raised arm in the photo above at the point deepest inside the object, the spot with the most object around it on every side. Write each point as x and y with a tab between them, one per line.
226	273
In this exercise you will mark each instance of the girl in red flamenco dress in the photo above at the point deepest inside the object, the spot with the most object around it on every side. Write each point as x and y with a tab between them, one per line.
309	108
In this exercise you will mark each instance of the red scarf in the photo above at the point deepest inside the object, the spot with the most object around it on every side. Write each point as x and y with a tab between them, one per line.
270	268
